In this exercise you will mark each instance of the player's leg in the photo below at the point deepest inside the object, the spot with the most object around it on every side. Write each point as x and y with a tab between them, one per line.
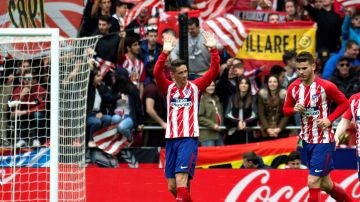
185	166
172	186
334	190
170	163
313	179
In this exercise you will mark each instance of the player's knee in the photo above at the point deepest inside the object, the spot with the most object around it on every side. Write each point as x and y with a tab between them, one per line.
172	187
181	179
313	181
325	186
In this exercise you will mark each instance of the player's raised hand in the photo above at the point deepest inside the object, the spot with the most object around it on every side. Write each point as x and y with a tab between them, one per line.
210	40
169	43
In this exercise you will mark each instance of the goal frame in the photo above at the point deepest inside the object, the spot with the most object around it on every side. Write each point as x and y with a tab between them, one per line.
54	36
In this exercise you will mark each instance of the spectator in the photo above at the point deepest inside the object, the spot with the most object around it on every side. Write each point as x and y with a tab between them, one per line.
274	18
280	73
351	52
155	108
96	115
226	85
241	112
91	15
136	28
270	103
118	18
133	65
291	10
210	116
318	4
252	161
351	26
346	78
126	106
107	46
31	117
329	26
290	67
294	161
199	56
149	48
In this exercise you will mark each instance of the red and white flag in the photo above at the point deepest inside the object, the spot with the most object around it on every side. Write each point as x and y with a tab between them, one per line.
109	140
229	31
346	3
135	10
213	8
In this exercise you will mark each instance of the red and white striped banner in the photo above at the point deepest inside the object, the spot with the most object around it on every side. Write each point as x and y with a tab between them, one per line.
109	140
135	10
214	8
346	3
229	31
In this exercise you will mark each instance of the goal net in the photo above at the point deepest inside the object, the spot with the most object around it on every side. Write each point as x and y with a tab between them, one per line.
43	93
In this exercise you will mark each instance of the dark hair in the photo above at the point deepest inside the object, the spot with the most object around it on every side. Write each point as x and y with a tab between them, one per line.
93	73
119	3
123	84
129	41
277	70
238	100
251	156
177	63
357	13
105	18
294	155
194	21
350	43
305	57
270	14
344	58
150	70
288	55
241	62
267	83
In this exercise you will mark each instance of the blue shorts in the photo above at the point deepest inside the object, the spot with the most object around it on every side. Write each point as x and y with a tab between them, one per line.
180	156
319	158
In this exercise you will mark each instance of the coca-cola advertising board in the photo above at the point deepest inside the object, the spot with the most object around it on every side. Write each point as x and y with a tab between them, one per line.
125	184
210	185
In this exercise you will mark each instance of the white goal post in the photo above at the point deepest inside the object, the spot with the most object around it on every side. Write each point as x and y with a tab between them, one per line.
42	128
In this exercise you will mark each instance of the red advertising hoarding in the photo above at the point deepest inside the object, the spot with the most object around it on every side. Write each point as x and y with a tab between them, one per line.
125	184
108	185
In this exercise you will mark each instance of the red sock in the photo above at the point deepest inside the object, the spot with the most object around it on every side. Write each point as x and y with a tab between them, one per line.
182	194
314	195
339	194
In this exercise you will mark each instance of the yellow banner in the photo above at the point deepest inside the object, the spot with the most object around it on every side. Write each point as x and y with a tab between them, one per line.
268	42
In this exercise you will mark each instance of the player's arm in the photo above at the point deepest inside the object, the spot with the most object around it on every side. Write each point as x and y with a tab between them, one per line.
214	69
288	108
339	98
161	81
344	123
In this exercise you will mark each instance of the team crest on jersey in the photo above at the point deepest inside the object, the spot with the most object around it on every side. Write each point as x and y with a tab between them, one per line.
315	97
187	92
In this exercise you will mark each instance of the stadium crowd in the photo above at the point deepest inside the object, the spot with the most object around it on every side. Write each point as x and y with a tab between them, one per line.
122	89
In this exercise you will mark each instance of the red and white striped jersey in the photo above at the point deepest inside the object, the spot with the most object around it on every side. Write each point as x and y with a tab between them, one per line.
316	99
354	112
182	103
135	68
182	111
